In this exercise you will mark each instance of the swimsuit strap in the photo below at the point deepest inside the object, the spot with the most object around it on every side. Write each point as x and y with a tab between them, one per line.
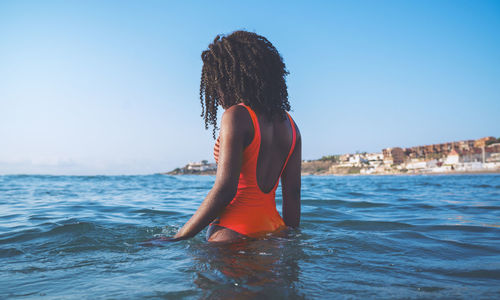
256	126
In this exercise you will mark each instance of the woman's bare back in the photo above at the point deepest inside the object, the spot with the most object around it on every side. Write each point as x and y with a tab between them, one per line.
276	142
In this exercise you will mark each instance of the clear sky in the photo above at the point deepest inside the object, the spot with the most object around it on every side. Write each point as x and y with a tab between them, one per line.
112	87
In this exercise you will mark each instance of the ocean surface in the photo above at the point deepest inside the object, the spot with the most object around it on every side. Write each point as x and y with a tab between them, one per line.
74	237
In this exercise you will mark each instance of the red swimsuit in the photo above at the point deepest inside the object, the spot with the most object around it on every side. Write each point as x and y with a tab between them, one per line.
252	212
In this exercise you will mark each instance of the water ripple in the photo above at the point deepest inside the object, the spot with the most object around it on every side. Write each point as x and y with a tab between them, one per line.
362	237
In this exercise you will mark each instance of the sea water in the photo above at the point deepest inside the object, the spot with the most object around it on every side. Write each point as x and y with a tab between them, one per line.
74	237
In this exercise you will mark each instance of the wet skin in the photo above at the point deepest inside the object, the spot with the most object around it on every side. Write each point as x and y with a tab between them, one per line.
236	133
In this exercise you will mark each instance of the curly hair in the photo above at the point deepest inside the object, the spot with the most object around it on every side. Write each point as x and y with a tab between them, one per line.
242	67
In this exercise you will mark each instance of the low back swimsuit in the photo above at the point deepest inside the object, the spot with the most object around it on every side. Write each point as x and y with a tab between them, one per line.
252	212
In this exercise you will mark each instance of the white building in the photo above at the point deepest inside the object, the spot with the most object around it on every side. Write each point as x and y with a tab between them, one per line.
453	158
355	159
470	166
416	165
374	156
201	166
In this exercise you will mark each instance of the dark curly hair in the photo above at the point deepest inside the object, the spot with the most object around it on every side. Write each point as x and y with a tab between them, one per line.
242	67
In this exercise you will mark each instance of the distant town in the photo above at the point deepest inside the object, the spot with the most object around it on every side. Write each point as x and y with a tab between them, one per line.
468	156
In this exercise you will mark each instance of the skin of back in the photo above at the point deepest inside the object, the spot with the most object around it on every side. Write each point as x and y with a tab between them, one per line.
236	132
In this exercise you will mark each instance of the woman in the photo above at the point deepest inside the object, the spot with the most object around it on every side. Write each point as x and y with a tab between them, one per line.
258	142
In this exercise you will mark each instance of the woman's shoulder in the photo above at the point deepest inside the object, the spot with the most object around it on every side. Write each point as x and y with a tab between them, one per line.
236	110
237	119
236	114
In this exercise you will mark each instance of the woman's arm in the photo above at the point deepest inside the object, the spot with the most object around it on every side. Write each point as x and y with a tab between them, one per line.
232	138
290	185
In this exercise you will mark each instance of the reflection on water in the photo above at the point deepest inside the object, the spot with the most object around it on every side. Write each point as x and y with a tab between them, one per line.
249	269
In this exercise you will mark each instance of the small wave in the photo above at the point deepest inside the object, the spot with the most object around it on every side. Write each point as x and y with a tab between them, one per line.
79	227
429	184
404	199
18	236
357	194
39	217
10	217
372	225
467	228
166	176
478	273
464	245
54	192
481	273
364	204
424	206
481	186
155	212
10	252
486	207
193	188
429	289
412	235
343	203
29	270
35	233
397	189
449	244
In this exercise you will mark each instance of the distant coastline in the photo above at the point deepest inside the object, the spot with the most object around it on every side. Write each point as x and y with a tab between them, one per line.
481	156
195	168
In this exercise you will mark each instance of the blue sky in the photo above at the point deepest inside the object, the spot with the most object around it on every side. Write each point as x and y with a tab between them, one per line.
112	87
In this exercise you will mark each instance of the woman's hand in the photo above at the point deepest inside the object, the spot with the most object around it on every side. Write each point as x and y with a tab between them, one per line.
160	241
